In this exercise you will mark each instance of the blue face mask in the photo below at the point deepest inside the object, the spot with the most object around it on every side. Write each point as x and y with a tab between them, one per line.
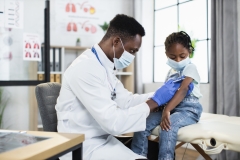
125	60
178	65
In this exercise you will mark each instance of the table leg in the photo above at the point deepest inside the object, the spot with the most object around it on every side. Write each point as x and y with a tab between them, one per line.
77	153
201	151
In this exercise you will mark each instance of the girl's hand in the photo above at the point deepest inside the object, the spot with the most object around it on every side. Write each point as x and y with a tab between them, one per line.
165	122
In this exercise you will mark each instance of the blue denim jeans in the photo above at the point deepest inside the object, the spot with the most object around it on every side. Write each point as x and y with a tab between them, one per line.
187	112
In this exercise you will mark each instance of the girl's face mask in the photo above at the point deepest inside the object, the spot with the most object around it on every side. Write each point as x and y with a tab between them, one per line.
178	65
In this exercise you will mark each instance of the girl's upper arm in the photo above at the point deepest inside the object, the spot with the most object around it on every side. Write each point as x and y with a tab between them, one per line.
185	83
180	94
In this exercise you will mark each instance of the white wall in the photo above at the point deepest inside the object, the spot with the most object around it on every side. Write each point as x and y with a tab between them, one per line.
147	43
108	9
17	111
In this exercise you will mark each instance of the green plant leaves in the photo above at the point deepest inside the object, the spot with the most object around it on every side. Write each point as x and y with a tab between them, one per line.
104	26
193	41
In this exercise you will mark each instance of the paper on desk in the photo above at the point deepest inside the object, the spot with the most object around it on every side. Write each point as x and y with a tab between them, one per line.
14	139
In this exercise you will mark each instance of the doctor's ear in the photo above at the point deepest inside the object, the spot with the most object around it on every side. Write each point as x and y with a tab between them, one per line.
116	41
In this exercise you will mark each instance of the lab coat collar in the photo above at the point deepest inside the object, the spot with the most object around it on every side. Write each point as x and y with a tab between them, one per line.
103	58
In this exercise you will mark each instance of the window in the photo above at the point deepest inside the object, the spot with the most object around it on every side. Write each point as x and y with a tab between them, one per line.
191	16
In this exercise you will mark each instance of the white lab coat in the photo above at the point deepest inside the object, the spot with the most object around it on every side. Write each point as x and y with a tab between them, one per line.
85	106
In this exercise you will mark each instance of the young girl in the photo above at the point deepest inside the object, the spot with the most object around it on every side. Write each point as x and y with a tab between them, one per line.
181	110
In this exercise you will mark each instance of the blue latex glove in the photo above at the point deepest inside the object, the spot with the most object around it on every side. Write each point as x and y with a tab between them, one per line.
167	91
190	86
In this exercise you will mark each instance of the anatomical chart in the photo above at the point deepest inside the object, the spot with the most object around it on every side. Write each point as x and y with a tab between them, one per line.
76	16
5	53
31	47
14	14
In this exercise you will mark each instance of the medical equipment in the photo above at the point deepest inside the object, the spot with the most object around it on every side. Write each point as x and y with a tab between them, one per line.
113	90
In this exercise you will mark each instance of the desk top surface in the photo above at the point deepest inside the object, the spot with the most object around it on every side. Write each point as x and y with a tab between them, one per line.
57	143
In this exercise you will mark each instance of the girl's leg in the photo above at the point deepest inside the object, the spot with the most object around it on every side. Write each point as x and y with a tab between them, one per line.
168	139
140	139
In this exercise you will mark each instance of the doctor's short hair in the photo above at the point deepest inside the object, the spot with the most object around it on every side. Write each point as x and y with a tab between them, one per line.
125	27
179	37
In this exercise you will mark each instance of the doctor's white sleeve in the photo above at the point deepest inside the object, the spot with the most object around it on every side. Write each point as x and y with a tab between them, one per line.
91	88
128	99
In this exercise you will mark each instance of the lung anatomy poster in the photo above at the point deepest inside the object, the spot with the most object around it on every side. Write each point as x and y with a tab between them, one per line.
77	16
31	47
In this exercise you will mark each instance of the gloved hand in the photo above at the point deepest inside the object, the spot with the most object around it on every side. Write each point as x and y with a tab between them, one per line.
167	91
190	89
190	86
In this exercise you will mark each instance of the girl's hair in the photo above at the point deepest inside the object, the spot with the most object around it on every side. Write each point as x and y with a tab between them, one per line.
179	37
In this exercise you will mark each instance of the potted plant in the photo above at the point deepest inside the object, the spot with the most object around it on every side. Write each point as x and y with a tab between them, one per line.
104	26
78	42
3	104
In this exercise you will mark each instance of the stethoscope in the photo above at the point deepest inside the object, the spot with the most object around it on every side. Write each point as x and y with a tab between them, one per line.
113	91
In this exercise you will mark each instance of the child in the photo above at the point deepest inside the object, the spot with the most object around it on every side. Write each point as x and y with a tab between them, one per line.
182	109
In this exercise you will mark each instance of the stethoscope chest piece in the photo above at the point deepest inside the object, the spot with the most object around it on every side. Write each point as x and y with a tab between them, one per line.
113	95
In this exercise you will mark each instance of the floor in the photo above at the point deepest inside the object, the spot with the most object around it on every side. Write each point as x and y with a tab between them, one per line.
189	154
153	150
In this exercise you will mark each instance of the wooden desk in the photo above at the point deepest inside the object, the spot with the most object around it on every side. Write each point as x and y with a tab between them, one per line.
57	145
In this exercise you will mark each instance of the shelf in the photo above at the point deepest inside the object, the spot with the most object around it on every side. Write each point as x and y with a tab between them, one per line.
124	73
71	47
51	72
118	73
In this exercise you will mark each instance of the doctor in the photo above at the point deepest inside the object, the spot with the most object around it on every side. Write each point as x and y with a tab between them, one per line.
94	102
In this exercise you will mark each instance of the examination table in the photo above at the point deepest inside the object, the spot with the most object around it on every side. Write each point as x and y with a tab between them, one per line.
212	134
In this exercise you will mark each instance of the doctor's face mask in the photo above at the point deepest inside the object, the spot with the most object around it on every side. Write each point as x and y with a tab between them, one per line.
125	60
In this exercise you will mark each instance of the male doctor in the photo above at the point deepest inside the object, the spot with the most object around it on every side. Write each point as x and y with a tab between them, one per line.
94	102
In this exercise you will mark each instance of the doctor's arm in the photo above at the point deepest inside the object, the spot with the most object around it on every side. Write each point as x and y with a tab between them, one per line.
92	89
152	104
127	99
161	96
